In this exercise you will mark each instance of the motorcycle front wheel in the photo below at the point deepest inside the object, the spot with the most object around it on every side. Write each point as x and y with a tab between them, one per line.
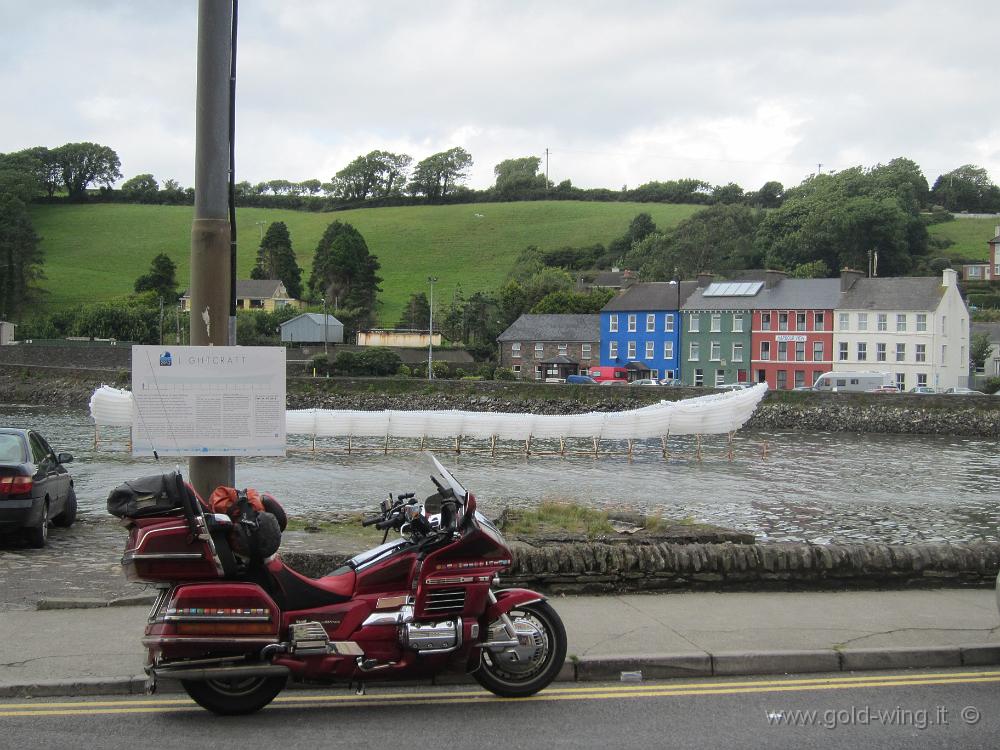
519	671
234	697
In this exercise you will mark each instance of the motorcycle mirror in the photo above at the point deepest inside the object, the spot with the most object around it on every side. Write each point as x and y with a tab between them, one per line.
386	505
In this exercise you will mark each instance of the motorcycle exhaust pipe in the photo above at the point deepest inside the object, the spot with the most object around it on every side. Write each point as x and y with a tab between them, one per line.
220	673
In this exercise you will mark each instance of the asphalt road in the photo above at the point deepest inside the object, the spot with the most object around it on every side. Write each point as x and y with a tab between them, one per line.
939	709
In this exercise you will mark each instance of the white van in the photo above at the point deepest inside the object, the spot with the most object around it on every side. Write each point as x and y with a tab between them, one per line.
865	380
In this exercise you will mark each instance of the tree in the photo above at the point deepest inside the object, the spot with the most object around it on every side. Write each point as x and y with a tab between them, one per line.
967	188
162	279
979	349
770	195
731	193
82	164
37	164
417	312
574	302
311	186
276	259
20	256
377	174
345	271
438	174
142	188
518	176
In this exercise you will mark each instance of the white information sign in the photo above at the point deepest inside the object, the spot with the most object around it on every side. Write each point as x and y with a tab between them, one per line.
208	400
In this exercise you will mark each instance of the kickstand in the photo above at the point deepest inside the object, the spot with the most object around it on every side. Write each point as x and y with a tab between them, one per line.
359	688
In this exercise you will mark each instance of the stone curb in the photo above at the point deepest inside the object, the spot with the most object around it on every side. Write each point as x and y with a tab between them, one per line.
610	668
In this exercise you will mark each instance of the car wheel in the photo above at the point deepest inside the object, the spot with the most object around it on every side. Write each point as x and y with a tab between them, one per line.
66	518
37	536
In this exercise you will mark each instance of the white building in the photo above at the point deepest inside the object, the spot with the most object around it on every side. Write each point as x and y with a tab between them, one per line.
916	328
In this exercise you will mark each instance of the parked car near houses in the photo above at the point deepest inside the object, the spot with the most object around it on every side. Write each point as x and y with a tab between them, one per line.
884	389
960	391
672	382
732	387
856	381
645	381
925	389
35	488
604	374
580	379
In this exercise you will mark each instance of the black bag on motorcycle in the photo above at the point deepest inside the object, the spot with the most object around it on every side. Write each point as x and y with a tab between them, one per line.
255	535
154	495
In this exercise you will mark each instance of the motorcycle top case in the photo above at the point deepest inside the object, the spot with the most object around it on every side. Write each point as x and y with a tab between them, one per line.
156	495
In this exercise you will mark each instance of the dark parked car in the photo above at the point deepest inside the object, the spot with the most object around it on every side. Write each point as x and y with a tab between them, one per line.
580	379
35	488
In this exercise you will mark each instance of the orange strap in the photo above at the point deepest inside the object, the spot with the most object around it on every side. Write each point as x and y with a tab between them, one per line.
223	500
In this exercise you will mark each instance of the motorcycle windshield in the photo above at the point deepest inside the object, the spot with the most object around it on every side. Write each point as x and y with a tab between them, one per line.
457	488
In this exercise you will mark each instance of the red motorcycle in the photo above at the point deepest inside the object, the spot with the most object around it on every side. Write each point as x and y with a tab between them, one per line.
234	623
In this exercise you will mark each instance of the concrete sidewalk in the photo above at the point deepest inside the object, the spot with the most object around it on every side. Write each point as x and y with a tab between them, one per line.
97	651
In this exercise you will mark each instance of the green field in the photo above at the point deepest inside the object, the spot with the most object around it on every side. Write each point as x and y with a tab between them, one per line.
94	252
969	235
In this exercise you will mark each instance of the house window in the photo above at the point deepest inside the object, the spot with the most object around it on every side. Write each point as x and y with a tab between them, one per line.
900	352
668	322
765	321
716	351
631	323
613	324
901	381
256	304
654	374
862	351
650	322
539	350
538	372
800	351
737	323
737	352
515	350
922	378
782	321
585	351
862	321
921	322
693	323
631	350
668	350
720	378
843	321
921	354
901	323
782	379
944	353
842	353
880	352
563	350
612	350
817	351
516	368
881	322
782	351
699	377
819	322
765	351
694	351
800	323
716	323
649	349
944	324
800	378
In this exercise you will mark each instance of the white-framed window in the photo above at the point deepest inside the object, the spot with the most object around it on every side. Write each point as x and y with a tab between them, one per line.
765	321
920	355
901	381
921	322
737	322
516	368
782	351
612	350
922	378
584	351
862	351
631	323
818	351
720	377
654	374
765	351
901	323
862	321
782	321
800	378
515	350
900	352
631	350
782	380
668	350
699	376
539	350
694	323
650	322
880	352
944	324
800	351
716	350
694	351
800	323
881	322
563	350
716	323
843	321
538	372
613	323
650	347
819	321
737	352
842	353
668	322
944	353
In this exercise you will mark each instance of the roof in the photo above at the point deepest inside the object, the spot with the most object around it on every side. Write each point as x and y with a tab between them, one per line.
894	293
638	366
559	360
554	327
652	295
612	279
316	318
990	329
255	288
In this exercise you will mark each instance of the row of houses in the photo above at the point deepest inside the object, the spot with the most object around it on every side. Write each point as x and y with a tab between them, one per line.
762	327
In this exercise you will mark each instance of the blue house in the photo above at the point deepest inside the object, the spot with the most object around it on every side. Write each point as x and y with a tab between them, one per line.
641	329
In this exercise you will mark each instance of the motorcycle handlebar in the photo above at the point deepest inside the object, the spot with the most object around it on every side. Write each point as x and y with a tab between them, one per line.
370	521
386	524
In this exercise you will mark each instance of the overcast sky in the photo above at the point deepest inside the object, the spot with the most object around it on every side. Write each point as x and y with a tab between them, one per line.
620	93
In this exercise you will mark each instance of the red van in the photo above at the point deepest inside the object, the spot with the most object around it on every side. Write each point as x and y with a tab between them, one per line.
601	374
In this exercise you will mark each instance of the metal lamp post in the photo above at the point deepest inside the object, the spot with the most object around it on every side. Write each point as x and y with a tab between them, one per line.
430	337
326	330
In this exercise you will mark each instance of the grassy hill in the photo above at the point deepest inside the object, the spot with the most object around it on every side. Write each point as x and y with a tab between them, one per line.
94	252
969	235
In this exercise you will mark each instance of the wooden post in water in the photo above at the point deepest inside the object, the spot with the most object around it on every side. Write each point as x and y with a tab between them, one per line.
731	445
663	442
698	453
493	445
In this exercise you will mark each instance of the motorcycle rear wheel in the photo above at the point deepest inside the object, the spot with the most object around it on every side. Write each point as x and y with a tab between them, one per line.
537	665
235	697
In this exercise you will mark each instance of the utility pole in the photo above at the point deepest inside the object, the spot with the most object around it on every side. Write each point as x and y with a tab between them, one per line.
430	338
819	169
211	232
326	333
546	173
161	321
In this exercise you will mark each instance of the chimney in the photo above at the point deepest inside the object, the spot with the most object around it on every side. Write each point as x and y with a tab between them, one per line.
949	277
772	278
628	278
847	278
704	279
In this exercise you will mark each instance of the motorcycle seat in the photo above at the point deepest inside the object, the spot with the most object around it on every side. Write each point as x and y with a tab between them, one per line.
301	592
